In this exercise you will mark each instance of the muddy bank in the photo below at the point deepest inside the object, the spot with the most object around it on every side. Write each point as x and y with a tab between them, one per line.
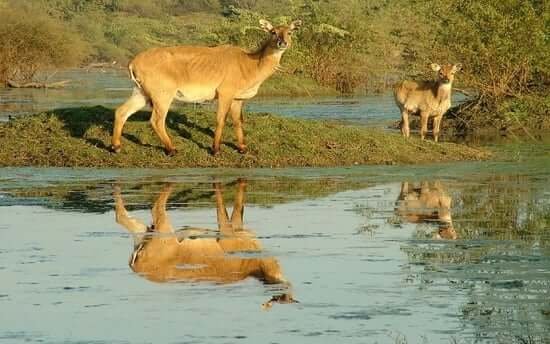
80	137
528	116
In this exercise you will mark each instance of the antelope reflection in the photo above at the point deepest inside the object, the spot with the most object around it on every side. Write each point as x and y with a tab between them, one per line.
427	204
162	253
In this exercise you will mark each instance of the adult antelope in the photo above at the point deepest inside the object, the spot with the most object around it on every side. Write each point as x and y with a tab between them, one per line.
427	204
196	74
164	254
426	98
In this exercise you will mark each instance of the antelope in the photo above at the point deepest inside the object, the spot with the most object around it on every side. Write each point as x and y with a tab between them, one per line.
163	254
427	204
426	98
197	74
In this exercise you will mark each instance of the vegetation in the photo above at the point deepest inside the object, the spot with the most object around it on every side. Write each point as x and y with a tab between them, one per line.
81	136
34	44
502	222
504	48
348	45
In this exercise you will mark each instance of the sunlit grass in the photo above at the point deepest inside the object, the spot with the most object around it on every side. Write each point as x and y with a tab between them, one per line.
80	137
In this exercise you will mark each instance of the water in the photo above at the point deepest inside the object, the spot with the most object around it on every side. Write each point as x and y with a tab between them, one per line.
372	254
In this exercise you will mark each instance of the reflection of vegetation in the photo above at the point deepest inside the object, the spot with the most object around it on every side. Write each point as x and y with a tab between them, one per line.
505	208
501	262
96	196
505	285
80	136
368	213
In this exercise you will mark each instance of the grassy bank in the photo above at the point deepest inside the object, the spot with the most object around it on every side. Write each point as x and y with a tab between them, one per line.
79	137
523	116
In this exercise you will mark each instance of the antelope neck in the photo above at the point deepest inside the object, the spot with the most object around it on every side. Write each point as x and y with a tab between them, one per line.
444	90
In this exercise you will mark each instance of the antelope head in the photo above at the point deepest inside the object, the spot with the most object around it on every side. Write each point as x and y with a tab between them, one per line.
446	74
446	231
281	36
281	298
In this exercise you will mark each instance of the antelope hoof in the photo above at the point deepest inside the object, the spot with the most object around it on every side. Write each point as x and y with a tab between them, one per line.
243	149
170	151
115	148
215	151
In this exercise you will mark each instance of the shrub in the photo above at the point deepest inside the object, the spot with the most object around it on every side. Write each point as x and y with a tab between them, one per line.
32	41
503	44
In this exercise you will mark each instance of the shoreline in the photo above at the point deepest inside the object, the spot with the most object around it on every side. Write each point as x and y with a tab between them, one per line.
80	137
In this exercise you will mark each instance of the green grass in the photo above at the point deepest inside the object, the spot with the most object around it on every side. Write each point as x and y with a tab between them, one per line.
80	137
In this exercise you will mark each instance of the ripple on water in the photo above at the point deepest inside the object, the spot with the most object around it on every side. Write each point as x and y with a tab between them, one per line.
355	315
396	276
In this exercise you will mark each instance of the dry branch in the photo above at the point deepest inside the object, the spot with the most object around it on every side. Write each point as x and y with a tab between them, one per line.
57	84
100	65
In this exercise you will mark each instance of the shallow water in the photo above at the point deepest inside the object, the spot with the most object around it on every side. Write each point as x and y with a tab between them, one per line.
372	254
112	87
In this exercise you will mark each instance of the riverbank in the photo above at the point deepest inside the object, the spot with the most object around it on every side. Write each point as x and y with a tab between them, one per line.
475	121
80	137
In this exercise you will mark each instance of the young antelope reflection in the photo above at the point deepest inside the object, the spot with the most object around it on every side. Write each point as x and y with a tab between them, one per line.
427	204
163	254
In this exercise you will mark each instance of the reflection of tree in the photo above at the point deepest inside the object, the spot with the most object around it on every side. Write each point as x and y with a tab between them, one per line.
502	263
95	197
165	254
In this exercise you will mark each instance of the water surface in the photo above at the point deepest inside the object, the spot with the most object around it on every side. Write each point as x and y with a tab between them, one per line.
372	254
111	87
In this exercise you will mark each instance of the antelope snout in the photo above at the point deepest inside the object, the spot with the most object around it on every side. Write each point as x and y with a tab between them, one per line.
282	44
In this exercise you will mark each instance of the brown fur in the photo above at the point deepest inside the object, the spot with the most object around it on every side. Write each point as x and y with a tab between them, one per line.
195	254
427	204
426	98
196	74
161	251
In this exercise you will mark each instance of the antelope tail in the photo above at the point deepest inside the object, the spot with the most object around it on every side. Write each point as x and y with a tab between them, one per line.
133	76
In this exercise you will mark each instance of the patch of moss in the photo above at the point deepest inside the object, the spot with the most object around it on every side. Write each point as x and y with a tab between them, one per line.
80	137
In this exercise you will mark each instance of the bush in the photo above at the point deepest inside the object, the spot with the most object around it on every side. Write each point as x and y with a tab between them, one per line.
182	7
32	41
503	44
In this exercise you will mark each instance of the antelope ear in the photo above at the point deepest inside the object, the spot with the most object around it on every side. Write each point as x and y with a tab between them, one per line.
265	25
435	67
457	67
295	25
